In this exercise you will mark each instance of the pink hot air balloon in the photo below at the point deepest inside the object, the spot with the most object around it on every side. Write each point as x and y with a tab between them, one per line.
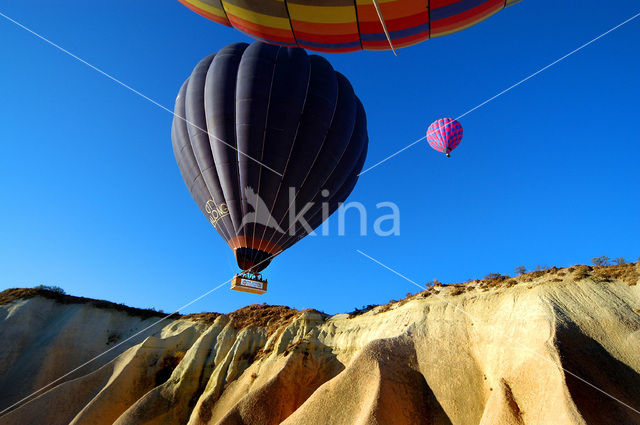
444	135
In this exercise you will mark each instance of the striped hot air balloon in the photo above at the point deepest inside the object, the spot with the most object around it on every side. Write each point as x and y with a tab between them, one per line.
444	135
336	26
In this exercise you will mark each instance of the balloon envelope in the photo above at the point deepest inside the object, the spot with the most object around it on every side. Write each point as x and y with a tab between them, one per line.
347	25
444	135
262	134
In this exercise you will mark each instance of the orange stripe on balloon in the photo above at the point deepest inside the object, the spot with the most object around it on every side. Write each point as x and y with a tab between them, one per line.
326	39
254	243
319	29
331	50
397	42
208	15
273	34
394	24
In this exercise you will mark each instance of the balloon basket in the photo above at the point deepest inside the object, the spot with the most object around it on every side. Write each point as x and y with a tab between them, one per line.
253	284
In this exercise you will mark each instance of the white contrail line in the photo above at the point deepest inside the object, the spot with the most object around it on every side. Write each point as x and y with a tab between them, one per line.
117	81
497	331
122	342
110	349
132	336
392	155
514	85
550	65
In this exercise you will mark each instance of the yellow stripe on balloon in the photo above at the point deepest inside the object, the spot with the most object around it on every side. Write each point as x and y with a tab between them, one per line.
257	18
322	14
208	8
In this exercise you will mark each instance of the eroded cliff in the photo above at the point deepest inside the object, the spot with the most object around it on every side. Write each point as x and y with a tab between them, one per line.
552	347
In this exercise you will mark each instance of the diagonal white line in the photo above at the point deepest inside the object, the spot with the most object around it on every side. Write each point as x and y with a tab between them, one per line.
515	85
499	332
550	65
392	155
110	349
117	81
122	342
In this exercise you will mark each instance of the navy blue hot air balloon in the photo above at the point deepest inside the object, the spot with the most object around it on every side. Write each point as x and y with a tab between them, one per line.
260	131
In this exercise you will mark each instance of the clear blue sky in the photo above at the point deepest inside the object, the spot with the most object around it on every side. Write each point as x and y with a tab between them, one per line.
92	199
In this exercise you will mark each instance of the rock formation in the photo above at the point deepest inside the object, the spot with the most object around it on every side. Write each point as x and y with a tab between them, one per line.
553	347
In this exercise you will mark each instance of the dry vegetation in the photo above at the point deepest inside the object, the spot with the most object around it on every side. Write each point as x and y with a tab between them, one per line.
580	271
266	316
529	277
261	315
625	272
275	317
364	309
13	294
270	317
207	318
